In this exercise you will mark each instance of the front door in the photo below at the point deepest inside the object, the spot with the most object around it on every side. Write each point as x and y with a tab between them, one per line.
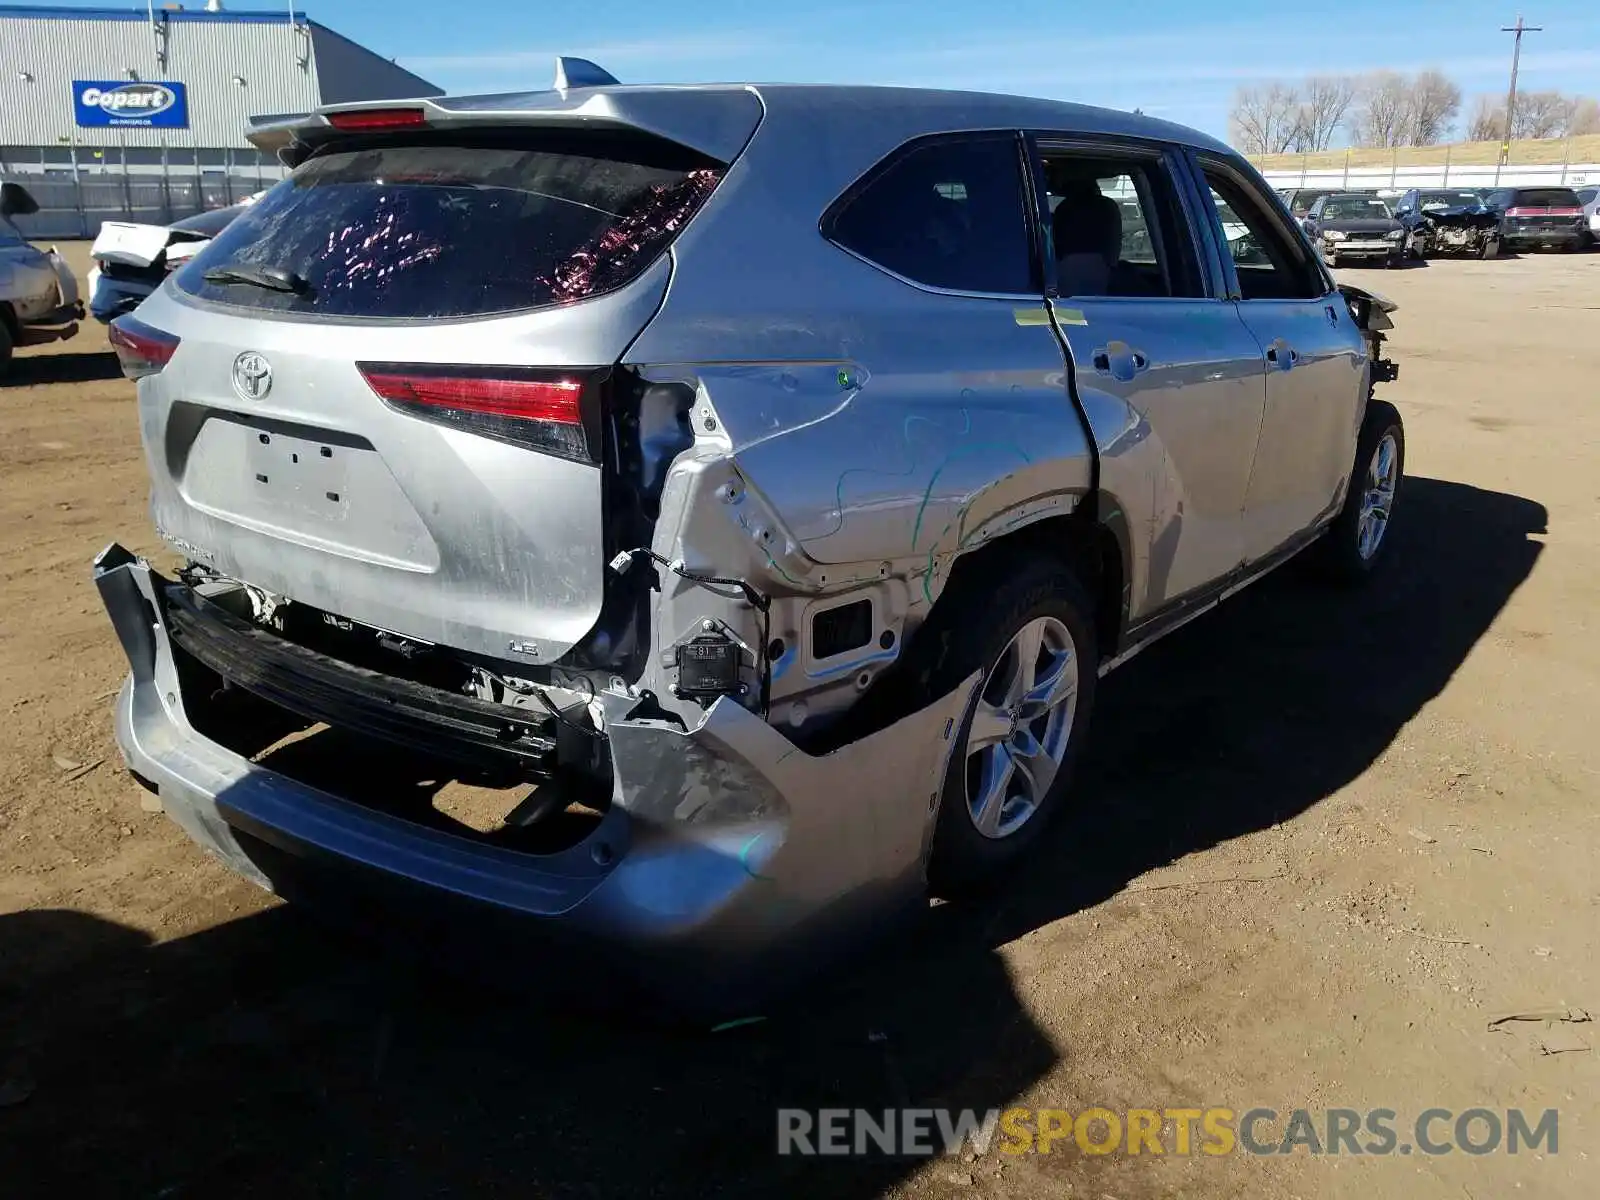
1315	362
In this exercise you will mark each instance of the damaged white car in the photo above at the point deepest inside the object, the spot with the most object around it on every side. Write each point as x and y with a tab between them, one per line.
132	259
38	291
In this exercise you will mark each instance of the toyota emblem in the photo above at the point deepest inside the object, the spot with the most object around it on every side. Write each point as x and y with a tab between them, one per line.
252	375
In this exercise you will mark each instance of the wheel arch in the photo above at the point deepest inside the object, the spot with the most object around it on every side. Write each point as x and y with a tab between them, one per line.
1094	545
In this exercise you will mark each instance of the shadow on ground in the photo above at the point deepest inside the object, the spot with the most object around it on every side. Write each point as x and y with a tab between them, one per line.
266	1058
29	368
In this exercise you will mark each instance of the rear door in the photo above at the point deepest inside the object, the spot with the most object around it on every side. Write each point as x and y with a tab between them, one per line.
1172	382
1314	358
386	398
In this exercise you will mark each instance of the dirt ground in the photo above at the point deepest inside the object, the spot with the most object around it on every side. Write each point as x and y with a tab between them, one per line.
1322	840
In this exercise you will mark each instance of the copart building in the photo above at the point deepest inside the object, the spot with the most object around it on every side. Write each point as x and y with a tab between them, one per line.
141	112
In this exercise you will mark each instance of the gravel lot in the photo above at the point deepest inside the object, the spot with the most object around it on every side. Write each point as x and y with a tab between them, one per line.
1323	840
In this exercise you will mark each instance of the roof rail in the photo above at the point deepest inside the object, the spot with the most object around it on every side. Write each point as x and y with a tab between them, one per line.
580	73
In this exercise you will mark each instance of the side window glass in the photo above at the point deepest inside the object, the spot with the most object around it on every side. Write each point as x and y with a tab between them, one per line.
947	214
1116	229
1269	267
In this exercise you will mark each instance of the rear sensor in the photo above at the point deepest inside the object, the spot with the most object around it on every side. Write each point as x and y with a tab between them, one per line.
708	667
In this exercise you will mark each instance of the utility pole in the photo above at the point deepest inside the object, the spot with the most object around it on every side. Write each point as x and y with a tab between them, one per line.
1511	96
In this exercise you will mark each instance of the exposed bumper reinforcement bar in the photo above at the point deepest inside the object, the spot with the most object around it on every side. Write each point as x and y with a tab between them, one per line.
320	688
730	865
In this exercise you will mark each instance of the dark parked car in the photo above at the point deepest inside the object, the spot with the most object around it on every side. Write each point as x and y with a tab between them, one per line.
1448	221
1355	226
1538	216
1300	200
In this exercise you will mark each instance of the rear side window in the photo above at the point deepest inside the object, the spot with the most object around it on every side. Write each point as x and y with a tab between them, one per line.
453	226
946	214
1556	197
1587	196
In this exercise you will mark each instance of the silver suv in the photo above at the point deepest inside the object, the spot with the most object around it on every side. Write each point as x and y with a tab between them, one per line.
760	477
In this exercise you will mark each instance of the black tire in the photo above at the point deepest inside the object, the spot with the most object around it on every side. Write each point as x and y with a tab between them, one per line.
5	346
1339	550
971	630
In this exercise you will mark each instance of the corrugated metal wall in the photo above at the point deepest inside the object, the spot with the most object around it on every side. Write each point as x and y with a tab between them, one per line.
82	177
203	54
41	56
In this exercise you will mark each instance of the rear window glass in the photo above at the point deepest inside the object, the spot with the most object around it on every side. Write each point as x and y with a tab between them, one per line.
1546	198
947	214
457	227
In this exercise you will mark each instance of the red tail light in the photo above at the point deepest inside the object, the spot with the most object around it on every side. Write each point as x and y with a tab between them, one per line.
1564	212
552	411
370	120
141	349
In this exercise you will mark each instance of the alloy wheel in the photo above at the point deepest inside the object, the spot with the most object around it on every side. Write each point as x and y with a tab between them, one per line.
1377	500
1021	727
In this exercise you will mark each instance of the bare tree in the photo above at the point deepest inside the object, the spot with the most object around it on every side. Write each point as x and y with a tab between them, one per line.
1264	120
1541	115
1324	101
1385	116
1585	116
1488	122
1435	101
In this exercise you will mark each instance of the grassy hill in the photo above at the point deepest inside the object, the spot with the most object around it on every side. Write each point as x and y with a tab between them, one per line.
1530	152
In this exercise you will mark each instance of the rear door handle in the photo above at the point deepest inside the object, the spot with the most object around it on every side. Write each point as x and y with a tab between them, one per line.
1119	360
1282	355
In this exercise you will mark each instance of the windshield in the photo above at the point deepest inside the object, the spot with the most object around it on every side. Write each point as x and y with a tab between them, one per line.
1448	199
1354	207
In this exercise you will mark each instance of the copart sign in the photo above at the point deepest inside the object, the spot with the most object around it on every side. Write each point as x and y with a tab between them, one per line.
145	105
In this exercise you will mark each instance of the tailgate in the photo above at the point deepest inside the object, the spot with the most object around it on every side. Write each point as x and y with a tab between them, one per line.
386	398
319	491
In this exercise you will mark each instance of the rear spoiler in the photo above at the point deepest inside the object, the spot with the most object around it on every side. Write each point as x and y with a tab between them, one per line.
714	121
274	134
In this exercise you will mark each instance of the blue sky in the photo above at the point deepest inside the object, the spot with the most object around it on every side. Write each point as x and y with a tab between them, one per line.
1179	59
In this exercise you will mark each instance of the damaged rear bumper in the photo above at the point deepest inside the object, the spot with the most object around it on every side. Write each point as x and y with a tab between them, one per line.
730	864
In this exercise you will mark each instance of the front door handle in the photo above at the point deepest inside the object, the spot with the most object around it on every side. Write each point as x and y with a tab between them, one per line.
1282	355
1119	360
